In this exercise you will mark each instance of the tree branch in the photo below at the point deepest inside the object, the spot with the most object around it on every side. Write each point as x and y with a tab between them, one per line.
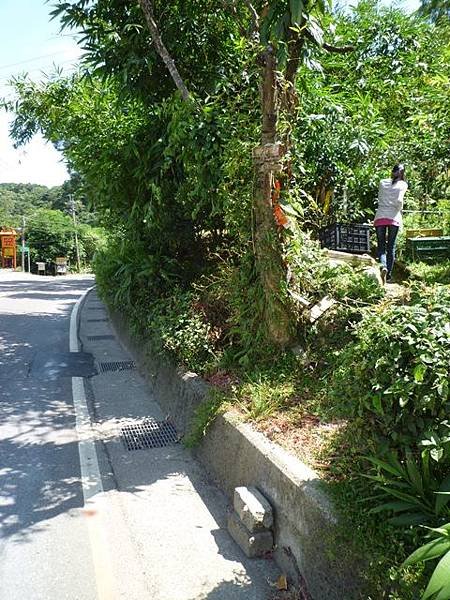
329	47
231	5
147	9
338	49
255	16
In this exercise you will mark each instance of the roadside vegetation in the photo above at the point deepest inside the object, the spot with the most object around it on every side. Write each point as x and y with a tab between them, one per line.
214	256
49	225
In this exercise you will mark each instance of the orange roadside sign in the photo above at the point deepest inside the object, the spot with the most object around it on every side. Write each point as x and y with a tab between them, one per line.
8	241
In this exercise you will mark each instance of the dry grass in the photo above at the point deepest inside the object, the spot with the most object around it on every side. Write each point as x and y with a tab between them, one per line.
304	436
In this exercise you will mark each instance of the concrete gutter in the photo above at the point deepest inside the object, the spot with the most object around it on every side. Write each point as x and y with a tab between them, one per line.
306	529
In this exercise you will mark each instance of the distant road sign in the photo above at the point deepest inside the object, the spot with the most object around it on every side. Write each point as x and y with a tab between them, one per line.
8	241
24	248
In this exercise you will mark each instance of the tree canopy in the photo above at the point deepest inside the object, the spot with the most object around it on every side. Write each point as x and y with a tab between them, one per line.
356	92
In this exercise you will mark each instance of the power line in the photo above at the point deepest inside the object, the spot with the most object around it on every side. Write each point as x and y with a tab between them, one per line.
24	62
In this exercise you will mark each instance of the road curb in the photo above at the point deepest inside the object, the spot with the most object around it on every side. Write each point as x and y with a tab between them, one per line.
306	529
95	506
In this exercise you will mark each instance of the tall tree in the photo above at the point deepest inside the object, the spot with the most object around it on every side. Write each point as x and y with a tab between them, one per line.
285	29
203	38
147	9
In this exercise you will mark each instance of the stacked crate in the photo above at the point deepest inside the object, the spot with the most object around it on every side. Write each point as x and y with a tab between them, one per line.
354	238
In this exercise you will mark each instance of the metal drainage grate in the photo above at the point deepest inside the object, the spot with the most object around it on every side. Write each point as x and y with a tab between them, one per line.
149	434
92	338
119	365
97	320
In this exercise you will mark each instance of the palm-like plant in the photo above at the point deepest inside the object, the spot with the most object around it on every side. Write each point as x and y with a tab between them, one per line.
410	490
438	587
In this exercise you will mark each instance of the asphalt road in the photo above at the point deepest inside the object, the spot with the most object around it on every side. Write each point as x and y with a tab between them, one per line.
44	543
127	525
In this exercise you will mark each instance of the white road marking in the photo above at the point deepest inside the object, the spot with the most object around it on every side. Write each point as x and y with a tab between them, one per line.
95	501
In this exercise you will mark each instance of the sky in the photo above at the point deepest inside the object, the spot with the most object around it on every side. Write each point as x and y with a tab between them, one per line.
30	42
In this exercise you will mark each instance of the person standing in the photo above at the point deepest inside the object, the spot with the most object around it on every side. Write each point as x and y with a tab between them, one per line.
388	218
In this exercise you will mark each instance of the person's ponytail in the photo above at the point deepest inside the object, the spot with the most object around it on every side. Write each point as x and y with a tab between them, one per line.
398	172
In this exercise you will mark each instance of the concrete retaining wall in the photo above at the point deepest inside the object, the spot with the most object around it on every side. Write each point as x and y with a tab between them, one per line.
306	530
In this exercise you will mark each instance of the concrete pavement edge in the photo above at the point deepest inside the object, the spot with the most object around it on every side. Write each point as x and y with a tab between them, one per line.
95	504
307	537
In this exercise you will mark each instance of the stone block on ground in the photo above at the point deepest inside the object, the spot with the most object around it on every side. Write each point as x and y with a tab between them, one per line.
336	257
254	544
253	508
321	308
374	273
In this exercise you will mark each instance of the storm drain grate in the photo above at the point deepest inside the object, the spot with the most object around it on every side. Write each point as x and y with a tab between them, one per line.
92	338
118	365
97	320
149	434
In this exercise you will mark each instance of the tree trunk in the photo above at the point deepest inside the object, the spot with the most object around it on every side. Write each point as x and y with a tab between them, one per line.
267	246
269	99
295	49
147	9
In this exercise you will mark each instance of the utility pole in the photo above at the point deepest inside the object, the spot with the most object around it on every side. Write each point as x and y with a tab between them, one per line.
72	205
23	245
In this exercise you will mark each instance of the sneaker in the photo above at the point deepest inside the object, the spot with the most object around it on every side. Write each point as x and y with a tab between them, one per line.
384	274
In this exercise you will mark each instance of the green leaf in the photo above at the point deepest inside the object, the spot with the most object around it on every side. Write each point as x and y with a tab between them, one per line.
419	372
393	469
409	519
440	580
444	530
414	473
428	551
378	404
437	454
406	498
394	506
444	496
296	7
444	594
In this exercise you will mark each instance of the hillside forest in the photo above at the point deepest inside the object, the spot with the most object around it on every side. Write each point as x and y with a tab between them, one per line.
49	225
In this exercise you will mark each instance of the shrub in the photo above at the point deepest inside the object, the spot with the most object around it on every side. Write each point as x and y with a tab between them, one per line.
178	325
439	547
345	282
431	274
397	368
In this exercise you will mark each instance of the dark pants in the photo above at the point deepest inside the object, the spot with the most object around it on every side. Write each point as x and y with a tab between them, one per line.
386	247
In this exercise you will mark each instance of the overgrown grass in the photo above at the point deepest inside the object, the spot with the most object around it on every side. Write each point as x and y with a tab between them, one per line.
430	273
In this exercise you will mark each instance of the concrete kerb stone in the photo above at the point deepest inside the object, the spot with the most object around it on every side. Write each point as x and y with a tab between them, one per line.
253	543
235	455
252	508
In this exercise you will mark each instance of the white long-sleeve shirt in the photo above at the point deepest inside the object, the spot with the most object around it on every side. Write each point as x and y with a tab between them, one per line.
390	200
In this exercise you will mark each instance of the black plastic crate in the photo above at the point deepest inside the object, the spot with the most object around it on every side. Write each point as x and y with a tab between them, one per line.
353	238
